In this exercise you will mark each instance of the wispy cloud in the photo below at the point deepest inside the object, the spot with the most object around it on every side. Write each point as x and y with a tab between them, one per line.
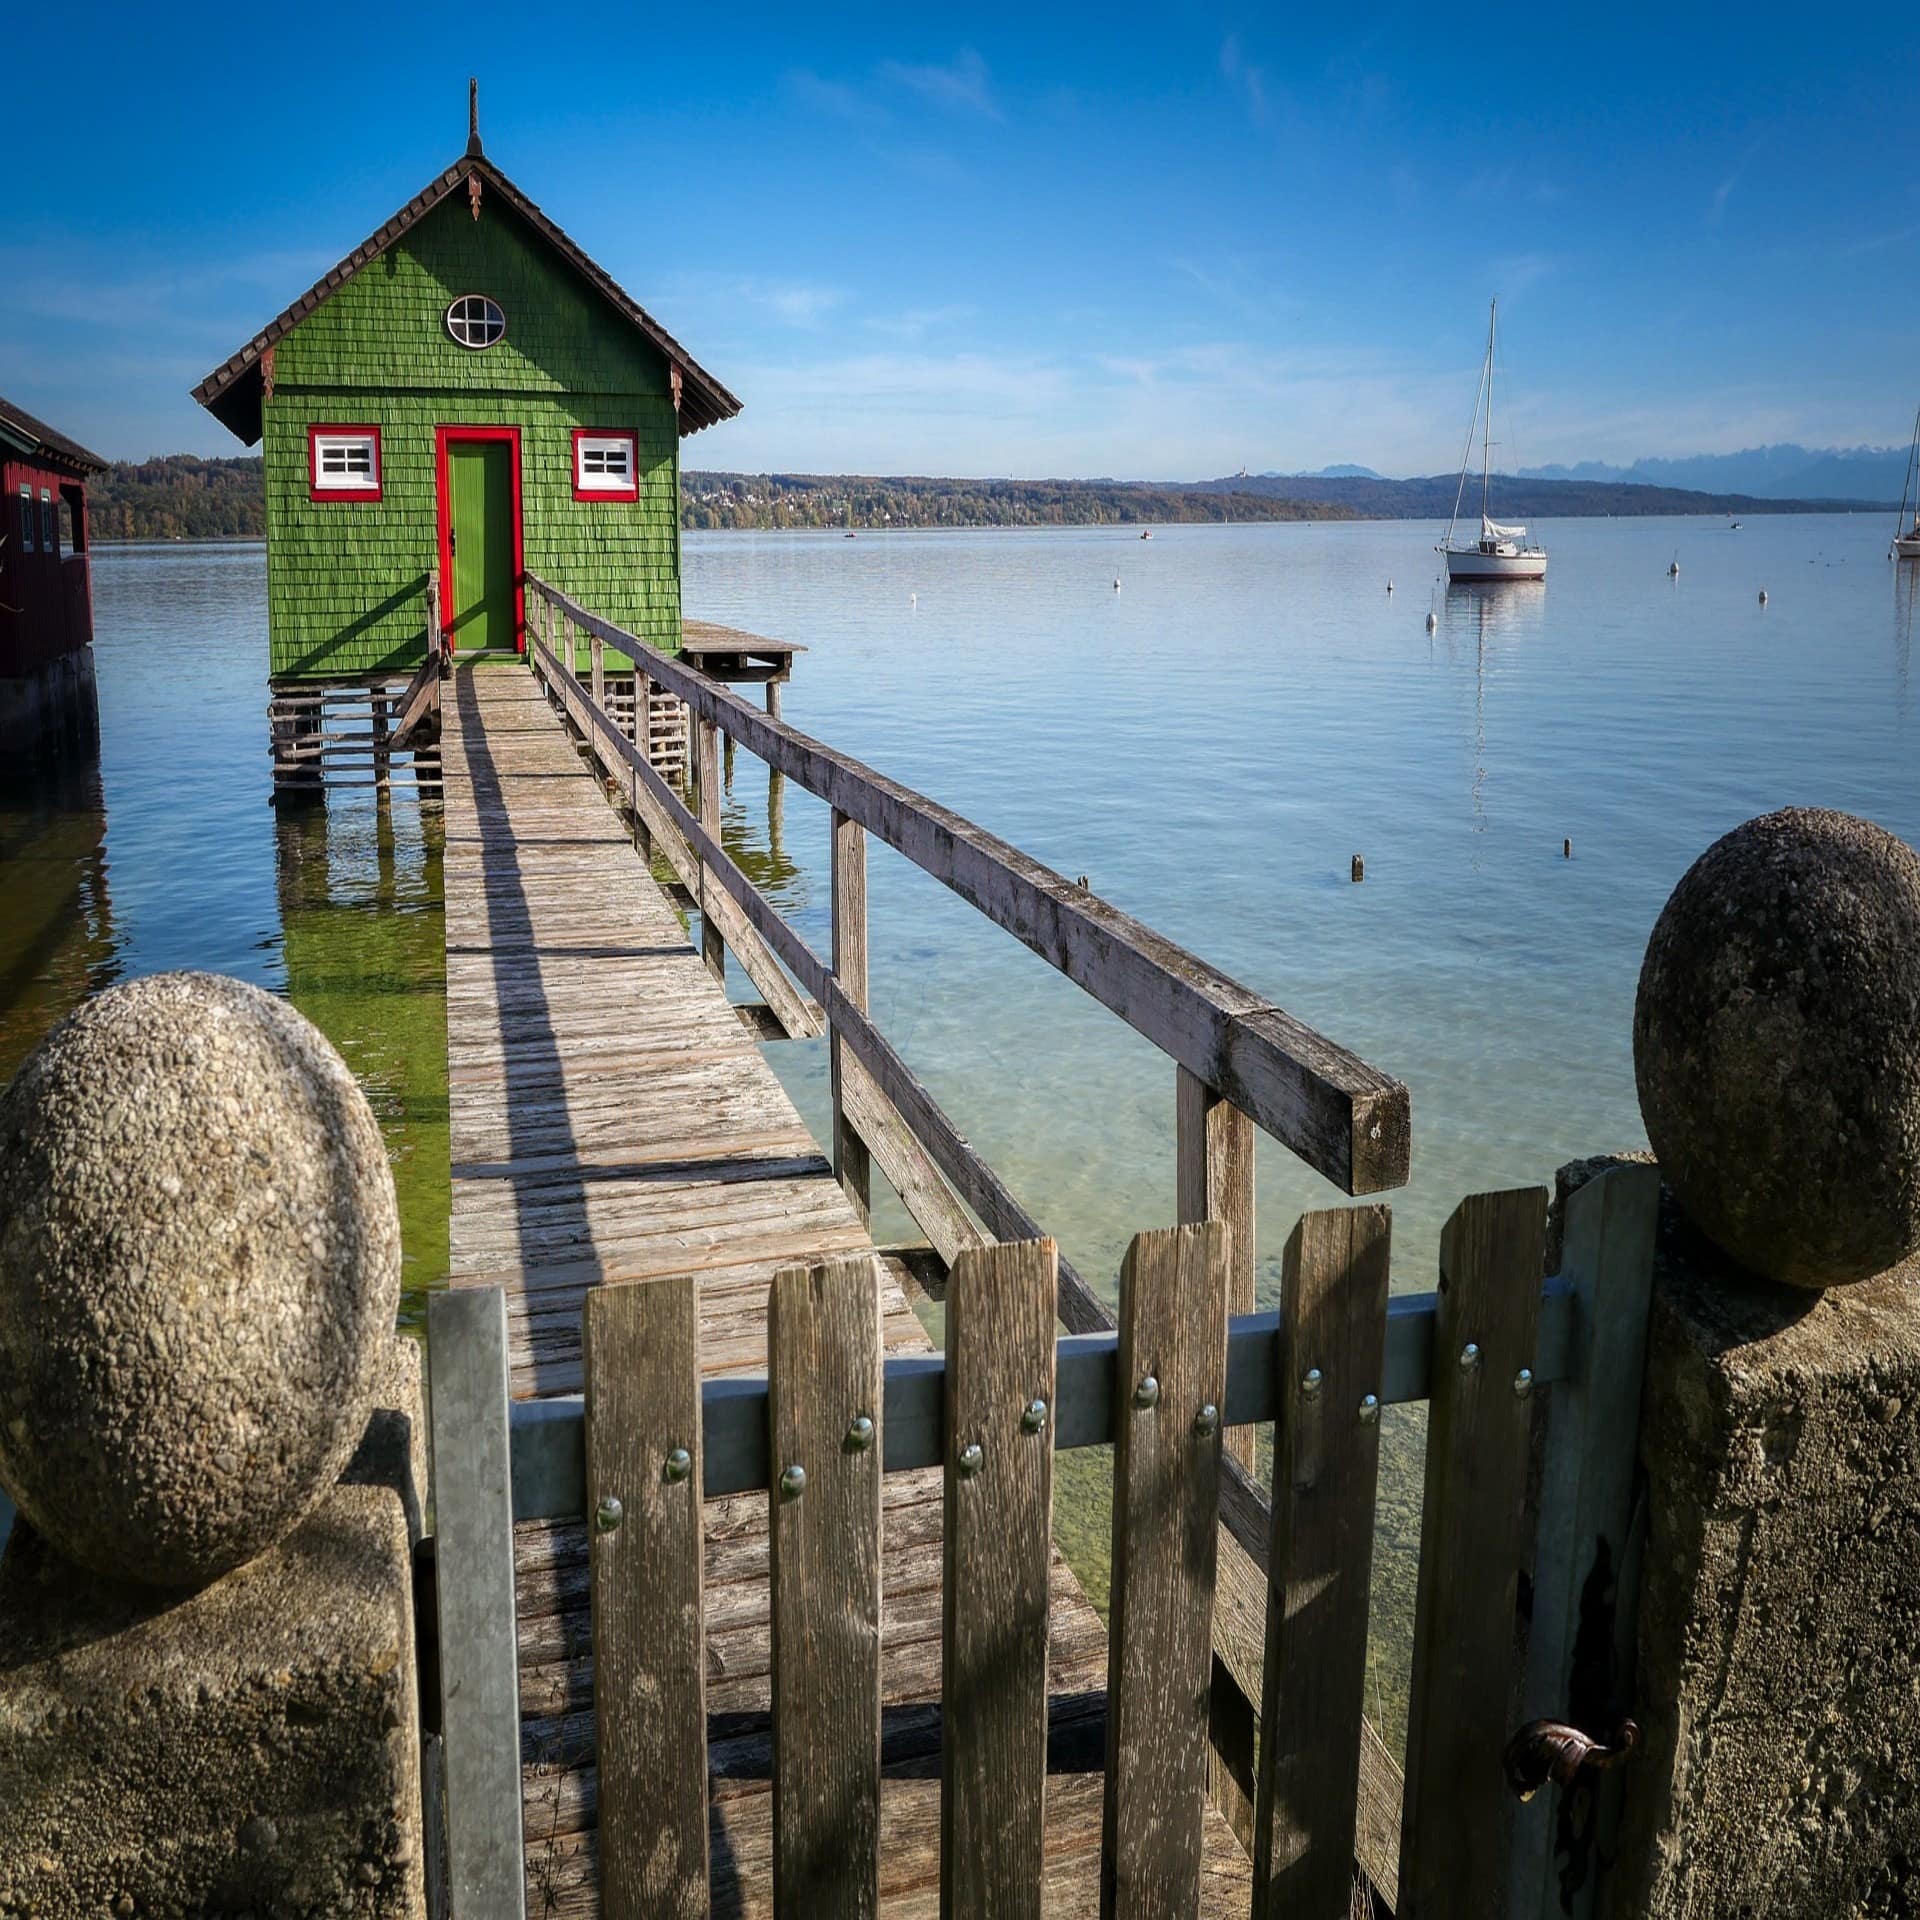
1717	206
963	85
1877	242
1247	80
832	97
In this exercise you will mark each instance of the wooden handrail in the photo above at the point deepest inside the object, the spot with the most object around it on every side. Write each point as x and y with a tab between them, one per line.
422	696
1344	1118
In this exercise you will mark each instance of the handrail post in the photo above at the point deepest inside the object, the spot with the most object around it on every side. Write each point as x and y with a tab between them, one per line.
852	1165
597	653
713	948
1213	1180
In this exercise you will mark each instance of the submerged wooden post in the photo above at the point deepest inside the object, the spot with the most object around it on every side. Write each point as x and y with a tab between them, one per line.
382	758
773	698
852	1165
713	948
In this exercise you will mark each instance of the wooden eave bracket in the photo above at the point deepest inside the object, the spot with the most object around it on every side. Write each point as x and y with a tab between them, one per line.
473	192
675	384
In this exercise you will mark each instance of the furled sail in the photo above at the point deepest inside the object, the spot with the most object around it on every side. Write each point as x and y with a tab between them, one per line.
1493	530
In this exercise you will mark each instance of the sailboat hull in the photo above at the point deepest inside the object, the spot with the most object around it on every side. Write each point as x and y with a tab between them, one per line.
1469	564
1908	546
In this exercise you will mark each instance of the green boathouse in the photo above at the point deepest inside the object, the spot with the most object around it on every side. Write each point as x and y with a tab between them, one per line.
465	398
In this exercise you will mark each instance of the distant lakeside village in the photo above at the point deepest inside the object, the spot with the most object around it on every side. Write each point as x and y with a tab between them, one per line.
188	497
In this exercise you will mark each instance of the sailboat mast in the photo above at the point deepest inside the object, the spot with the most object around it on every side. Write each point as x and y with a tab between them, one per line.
1466	452
1486	437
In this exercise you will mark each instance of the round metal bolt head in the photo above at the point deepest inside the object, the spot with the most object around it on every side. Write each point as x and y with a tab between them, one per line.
679	1464
1523	1382
609	1513
1469	1357
1147	1393
793	1481
1034	1416
1369	1409
1311	1382
1207	1420
860	1434
972	1457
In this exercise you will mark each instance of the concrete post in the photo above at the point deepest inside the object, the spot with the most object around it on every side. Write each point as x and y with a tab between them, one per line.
1779	1647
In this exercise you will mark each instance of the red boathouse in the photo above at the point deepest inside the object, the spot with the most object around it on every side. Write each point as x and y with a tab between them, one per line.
46	589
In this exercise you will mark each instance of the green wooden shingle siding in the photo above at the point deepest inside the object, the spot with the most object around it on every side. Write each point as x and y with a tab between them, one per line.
346	578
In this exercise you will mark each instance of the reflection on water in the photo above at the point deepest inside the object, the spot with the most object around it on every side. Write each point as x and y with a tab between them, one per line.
56	935
167	854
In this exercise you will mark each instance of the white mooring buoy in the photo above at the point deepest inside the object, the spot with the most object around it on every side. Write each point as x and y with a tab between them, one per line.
1389	586
1673	572
1116	583
1433	620
1763	596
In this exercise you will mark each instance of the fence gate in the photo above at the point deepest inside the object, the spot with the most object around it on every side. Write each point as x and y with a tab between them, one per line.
649	1439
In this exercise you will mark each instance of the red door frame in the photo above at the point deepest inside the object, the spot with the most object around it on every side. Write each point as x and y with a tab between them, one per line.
443	437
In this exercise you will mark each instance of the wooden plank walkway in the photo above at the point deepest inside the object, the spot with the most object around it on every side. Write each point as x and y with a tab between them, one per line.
613	1121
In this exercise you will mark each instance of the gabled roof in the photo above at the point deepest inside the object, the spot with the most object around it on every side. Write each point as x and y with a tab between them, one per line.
233	391
20	428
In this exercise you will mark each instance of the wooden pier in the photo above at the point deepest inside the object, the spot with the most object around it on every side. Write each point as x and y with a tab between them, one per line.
748	1599
613	1121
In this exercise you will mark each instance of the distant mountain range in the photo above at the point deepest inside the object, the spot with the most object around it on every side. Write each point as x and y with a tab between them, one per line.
1783	472
1520	498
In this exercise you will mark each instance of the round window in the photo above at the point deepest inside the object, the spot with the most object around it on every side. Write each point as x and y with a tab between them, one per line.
476	321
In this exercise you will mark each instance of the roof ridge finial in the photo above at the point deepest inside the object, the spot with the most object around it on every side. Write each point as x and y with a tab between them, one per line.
473	119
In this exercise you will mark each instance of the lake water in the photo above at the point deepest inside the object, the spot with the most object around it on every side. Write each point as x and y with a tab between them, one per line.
1209	742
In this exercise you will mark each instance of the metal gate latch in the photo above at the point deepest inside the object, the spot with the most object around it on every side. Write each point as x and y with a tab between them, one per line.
1546	1750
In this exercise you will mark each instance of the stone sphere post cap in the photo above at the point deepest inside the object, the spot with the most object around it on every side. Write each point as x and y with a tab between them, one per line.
199	1269
1776	1046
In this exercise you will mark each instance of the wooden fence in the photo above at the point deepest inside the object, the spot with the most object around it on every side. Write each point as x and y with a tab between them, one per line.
649	1440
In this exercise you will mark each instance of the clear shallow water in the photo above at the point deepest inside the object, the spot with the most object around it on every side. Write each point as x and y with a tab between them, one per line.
1210	745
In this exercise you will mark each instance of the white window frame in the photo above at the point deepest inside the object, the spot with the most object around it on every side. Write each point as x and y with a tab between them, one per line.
592	479
26	521
348	477
489	308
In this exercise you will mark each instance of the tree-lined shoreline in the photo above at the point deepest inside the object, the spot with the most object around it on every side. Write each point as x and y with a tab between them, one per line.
184	496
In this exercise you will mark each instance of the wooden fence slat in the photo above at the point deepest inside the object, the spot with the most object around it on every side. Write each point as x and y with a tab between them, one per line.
823	1380
1456	1825
473	1566
851	1164
1333	1329
643	1451
999	1515
1166	1529
1586	1514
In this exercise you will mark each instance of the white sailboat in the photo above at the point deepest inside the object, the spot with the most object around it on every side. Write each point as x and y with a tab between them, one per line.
1501	553
1906	533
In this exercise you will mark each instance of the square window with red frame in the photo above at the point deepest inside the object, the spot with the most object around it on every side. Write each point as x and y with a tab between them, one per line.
344	463
606	464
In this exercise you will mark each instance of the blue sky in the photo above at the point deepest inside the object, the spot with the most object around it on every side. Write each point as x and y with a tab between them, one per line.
1168	243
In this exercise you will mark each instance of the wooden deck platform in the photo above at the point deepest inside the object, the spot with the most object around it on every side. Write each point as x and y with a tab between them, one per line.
613	1121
